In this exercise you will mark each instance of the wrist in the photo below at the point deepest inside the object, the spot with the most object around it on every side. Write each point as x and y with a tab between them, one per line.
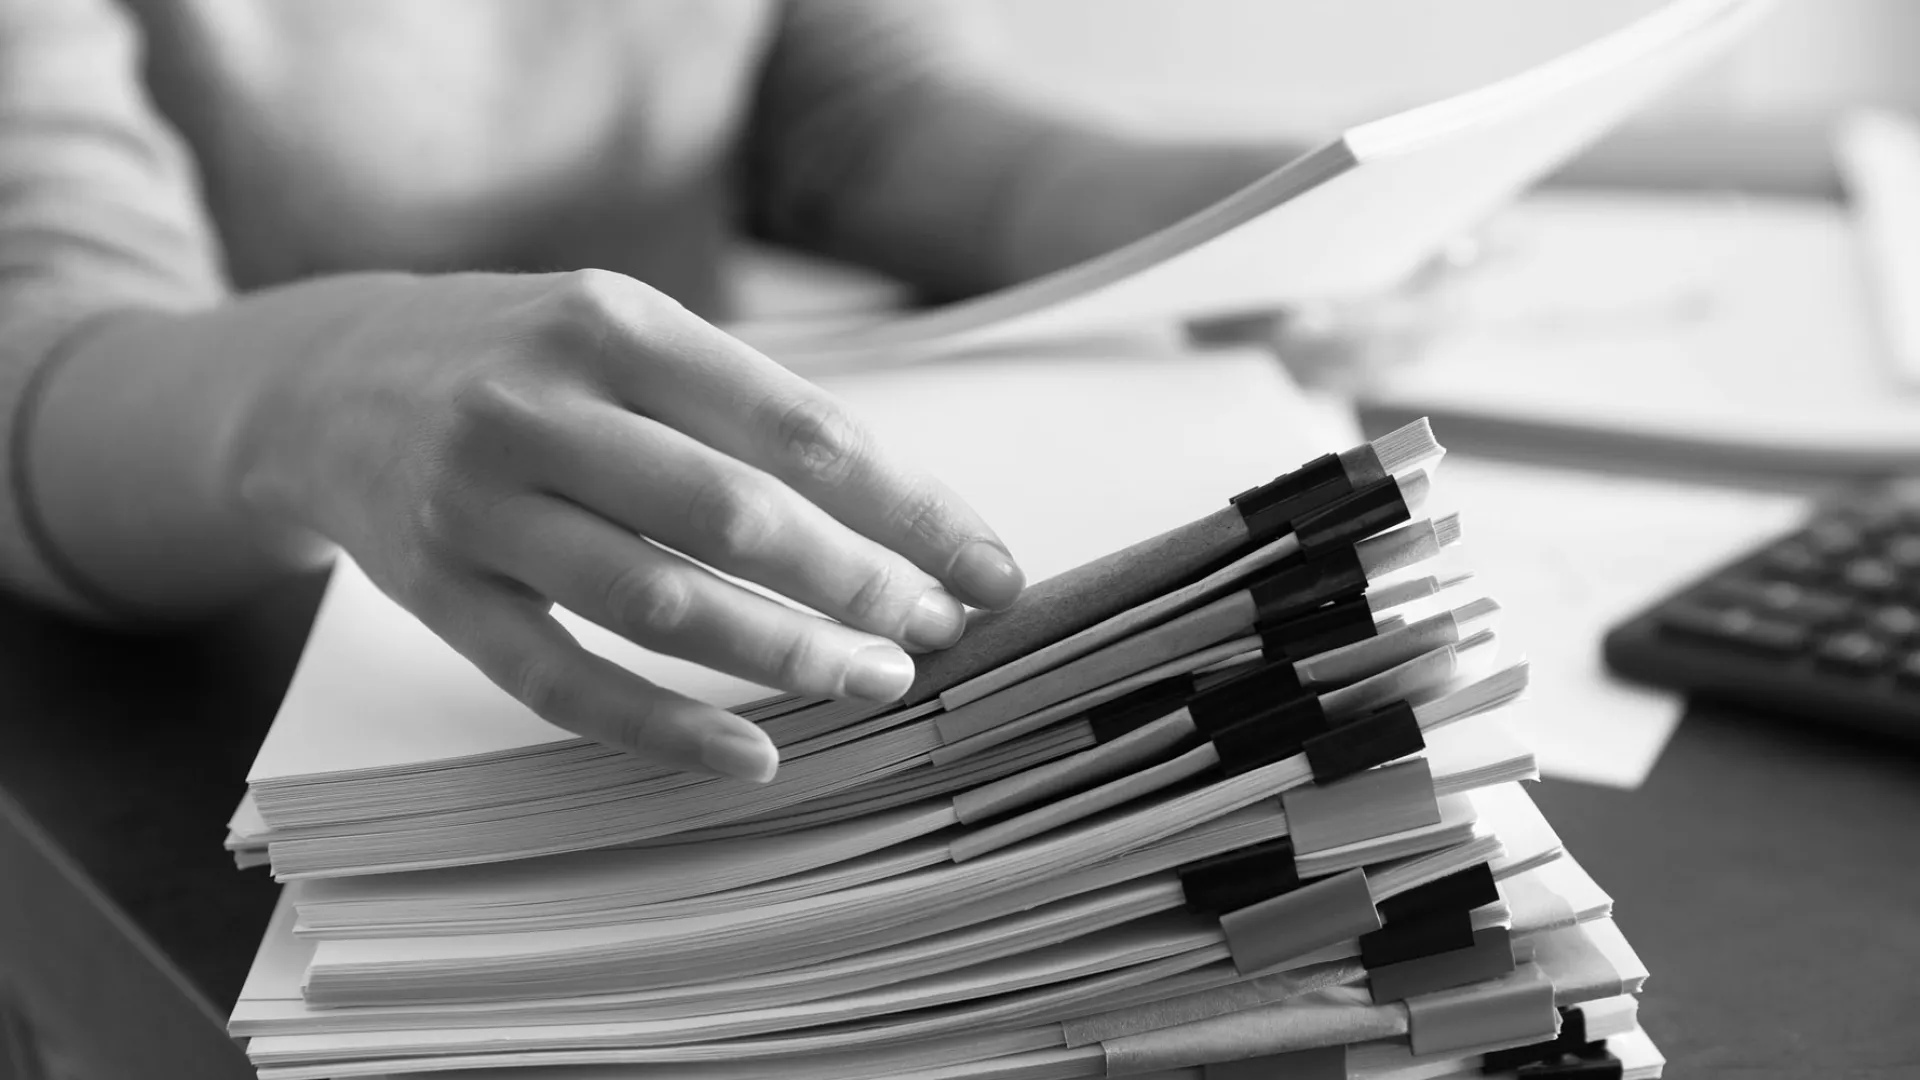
140	448
277	464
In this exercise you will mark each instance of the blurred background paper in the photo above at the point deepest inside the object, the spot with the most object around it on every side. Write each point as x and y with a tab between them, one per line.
1701	329
1569	553
1276	69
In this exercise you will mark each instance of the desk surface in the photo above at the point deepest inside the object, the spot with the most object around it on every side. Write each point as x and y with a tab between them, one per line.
1768	873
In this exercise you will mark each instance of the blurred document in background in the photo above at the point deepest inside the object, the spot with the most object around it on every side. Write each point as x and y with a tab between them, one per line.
1702	330
1569	553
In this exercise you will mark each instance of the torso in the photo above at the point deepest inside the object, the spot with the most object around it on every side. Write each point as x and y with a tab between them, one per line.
338	135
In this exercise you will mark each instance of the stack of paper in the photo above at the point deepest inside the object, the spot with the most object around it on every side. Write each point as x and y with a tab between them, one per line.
1266	816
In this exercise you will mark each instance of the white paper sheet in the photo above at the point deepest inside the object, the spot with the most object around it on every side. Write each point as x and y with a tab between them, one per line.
1734	327
1569	554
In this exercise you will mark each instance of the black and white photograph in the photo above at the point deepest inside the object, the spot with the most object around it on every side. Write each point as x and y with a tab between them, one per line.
959	539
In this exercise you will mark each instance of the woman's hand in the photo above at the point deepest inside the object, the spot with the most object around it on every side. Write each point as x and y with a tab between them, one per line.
488	445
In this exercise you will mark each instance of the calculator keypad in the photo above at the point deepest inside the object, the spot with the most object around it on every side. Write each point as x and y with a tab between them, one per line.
1835	602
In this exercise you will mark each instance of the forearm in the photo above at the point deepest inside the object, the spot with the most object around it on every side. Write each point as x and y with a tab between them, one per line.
958	184
130	452
878	139
1089	191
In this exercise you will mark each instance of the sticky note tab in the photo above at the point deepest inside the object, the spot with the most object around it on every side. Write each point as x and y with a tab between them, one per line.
1374	803
1293	924
1515	1010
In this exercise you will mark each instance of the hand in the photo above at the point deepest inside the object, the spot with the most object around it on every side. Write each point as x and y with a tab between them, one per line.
486	446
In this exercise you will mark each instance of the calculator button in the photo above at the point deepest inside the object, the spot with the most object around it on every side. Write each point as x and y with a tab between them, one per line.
1875	576
1855	650
1903	551
1895	620
1737	625
1904	491
1909	669
1834	538
1785	599
1879	516
1794	558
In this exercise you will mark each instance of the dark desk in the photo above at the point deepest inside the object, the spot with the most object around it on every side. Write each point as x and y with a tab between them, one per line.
1768	874
120	760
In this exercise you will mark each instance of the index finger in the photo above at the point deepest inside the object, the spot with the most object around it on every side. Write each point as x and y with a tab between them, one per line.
671	365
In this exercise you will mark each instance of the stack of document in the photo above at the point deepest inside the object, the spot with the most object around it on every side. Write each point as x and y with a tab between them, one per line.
1240	799
1243	798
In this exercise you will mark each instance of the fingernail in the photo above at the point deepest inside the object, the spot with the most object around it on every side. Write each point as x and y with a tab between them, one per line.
936	621
740	755
879	673
984	575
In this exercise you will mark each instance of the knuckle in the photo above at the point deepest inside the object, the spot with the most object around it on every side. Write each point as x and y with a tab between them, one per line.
579	316
504	422
820	440
413	579
872	602
739	518
593	294
589	304
490	406
540	685
796	661
600	319
453	511
922	518
648	602
442	519
437	522
634	733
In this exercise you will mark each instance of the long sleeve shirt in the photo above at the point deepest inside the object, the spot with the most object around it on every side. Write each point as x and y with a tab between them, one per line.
166	154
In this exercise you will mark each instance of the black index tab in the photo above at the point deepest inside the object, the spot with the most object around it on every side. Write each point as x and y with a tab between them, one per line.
1247	694
1237	879
1375	508
1270	736
1270	509
1297	588
1311	633
1462	890
1129	711
1423	935
1376	738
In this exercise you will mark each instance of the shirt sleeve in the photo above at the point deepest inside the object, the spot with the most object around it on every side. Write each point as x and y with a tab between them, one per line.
877	136
99	213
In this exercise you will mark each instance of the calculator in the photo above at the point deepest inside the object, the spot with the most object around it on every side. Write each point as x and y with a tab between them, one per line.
1823	622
